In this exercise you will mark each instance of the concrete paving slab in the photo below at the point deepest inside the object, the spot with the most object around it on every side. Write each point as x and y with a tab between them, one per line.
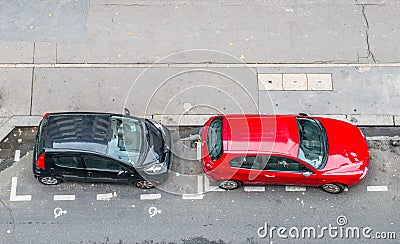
16	52
45	52
15	91
341	117
319	82
155	91
3	120
268	82
36	20
397	120
371	92
365	119
294	82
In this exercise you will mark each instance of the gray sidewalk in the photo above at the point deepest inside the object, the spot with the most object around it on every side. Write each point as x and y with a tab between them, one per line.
144	31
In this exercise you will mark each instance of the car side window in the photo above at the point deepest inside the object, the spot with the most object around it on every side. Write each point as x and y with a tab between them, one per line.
67	161
285	164
100	163
249	162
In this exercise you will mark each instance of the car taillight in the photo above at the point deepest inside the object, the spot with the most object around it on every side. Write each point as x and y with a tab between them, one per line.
40	161
45	115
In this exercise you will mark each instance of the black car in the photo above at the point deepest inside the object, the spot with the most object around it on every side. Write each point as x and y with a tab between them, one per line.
101	147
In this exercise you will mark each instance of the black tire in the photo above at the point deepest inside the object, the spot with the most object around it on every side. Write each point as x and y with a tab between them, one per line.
333	188
229	184
49	180
144	184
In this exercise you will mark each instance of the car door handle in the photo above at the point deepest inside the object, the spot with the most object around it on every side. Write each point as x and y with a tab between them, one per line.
270	176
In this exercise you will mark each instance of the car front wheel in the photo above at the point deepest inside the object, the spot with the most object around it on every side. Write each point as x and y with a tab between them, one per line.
229	184
49	180
144	184
333	188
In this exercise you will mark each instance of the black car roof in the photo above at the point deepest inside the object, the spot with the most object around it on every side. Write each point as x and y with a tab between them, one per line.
78	131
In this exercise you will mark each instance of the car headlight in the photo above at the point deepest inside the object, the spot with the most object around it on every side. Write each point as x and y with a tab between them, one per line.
154	168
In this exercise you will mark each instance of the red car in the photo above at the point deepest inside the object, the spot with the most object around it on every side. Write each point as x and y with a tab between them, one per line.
283	150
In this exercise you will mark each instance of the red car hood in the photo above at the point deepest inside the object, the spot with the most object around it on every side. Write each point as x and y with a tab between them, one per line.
347	147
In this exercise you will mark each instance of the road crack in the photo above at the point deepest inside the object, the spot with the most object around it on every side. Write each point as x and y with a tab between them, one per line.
369	52
11	216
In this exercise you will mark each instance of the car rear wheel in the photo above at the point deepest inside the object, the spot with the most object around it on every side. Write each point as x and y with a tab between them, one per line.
49	180
333	188
144	184
229	184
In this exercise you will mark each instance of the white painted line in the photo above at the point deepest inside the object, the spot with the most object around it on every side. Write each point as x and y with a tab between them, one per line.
200	184
104	197
17	156
207	186
382	138
150	196
13	194
198	150
64	197
377	188
254	188
295	188
192	196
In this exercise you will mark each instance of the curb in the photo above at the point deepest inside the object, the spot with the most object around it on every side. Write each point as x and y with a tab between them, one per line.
200	119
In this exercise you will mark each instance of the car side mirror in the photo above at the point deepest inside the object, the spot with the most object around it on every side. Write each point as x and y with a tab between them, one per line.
121	172
307	174
127	112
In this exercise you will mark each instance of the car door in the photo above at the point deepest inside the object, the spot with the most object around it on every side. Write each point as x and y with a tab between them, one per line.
287	171
68	166
249	169
103	169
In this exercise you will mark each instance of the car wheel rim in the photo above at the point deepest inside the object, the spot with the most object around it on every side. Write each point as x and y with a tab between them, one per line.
49	180
332	188
144	184
229	185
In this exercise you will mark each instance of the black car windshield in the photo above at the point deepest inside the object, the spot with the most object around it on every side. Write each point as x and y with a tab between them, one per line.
313	142
127	140
214	139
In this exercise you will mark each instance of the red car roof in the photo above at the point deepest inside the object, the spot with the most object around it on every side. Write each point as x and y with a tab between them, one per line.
261	133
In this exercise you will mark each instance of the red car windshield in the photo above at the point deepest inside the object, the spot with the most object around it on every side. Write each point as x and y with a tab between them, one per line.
313	142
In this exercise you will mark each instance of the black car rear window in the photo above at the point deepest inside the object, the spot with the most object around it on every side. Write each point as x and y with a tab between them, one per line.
214	139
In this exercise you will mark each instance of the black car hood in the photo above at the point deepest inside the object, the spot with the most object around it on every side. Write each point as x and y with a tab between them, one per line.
155	145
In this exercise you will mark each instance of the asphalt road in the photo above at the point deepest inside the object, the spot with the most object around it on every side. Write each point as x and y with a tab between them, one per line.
216	217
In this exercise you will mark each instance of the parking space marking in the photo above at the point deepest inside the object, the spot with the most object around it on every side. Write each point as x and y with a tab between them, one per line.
192	196
104	197
254	188
207	186
64	197
13	194
150	196
198	150
17	155
200	184
295	188
377	188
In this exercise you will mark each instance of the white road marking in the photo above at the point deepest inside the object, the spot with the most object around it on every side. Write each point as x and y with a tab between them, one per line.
200	184
382	138
295	188
150	196
64	197
377	188
207	186
198	148
254	188
104	197
17	156
192	196
13	194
